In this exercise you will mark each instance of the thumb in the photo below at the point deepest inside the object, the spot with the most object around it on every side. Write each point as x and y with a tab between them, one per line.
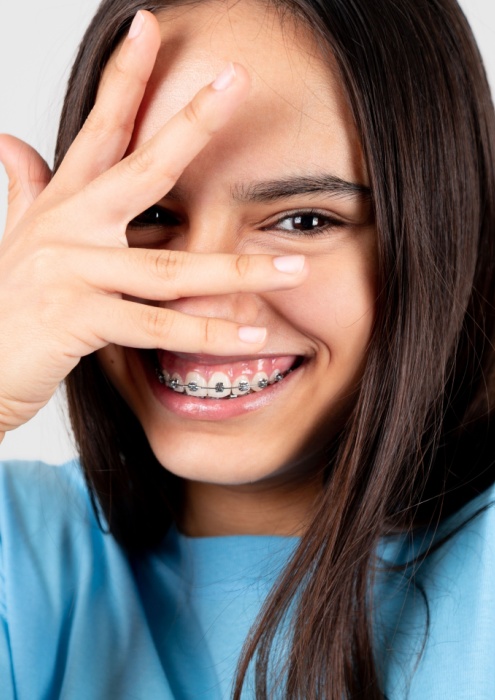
28	175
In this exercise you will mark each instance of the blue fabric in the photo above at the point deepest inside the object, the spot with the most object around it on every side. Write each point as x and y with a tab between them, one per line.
79	620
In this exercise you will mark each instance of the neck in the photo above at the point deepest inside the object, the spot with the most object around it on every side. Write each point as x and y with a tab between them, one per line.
265	508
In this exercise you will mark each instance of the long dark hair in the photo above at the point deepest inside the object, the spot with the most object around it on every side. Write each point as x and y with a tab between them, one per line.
417	443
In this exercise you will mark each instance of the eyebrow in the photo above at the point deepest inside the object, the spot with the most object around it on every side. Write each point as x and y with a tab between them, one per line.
272	190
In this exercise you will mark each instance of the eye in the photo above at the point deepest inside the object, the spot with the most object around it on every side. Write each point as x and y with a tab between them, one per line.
306	223
155	216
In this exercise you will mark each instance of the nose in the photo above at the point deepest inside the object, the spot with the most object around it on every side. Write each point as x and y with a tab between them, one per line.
214	233
241	307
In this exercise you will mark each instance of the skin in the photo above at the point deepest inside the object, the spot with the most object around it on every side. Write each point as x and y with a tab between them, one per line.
76	279
68	277
258	472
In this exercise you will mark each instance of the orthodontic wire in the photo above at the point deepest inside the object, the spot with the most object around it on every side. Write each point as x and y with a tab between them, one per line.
243	386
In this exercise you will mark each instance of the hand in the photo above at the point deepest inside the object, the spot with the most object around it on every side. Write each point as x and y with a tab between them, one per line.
65	266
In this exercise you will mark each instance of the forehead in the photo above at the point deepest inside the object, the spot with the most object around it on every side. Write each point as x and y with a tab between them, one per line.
295	116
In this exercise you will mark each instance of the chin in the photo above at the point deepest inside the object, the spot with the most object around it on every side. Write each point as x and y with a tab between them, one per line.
214	460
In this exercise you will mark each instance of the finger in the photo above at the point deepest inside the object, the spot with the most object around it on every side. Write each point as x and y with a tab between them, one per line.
136	325
105	136
147	174
28	176
167	275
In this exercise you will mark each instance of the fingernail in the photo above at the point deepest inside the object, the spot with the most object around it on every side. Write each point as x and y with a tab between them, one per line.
225	78
251	334
136	26
289	263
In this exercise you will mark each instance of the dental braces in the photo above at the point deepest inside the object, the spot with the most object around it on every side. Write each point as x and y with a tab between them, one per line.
243	386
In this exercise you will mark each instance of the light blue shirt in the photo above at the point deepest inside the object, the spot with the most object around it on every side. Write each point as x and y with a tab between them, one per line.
80	620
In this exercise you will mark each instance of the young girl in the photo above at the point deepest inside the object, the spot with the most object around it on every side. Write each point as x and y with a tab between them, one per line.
265	266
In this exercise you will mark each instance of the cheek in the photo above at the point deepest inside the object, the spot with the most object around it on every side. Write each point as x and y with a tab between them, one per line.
112	360
335	306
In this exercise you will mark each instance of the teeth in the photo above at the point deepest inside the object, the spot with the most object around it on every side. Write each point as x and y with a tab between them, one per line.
176	382
160	376
259	381
218	386
196	385
240	386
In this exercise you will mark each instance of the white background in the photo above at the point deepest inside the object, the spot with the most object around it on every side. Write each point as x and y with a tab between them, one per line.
38	40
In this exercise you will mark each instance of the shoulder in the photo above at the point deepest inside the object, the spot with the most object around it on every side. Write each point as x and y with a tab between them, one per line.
465	541
438	622
37	497
50	540
71	609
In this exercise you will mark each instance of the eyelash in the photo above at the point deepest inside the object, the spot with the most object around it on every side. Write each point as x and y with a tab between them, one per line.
331	223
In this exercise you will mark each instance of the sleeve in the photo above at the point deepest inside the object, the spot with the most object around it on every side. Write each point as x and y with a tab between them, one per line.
6	670
35	551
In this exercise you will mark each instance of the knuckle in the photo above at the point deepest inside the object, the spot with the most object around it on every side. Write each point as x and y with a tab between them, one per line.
242	265
192	113
123	129
124	73
196	114
140	161
95	123
119	68
99	125
26	191
209	333
14	190
158	322
43	261
163	264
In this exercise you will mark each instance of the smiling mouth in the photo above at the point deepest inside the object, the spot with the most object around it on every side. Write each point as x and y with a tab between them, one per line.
205	377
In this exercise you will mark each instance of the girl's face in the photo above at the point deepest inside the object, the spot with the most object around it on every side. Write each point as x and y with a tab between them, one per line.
248	192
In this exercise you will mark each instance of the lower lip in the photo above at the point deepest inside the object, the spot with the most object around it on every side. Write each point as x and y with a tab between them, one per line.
214	409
